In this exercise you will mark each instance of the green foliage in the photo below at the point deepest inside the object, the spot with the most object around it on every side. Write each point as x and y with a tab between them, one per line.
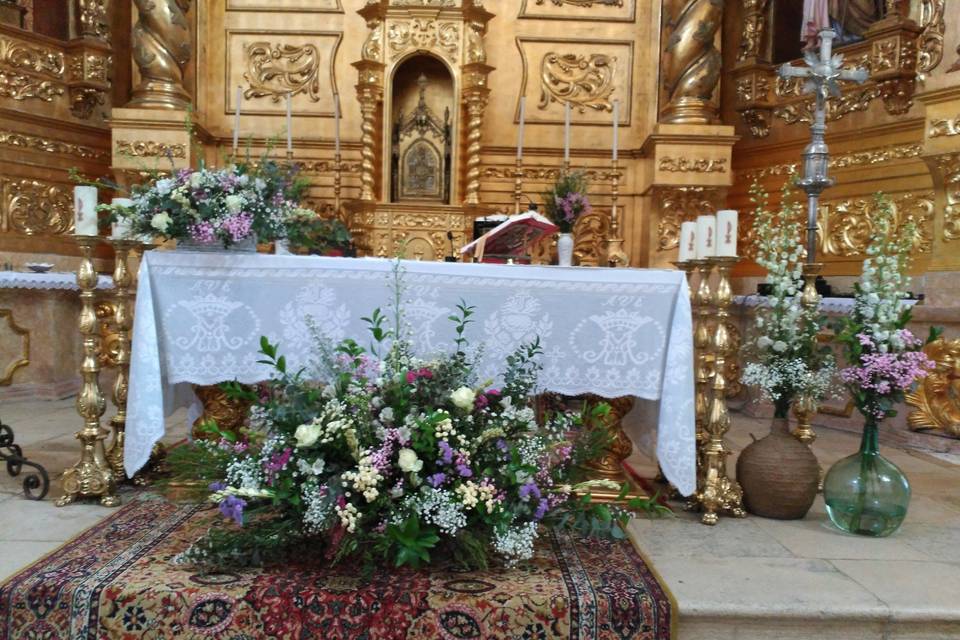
412	542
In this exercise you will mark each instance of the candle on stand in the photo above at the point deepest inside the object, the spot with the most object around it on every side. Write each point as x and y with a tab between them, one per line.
236	119
336	123
727	232
566	132
688	241
706	237
523	111
85	211
289	127
122	228
616	128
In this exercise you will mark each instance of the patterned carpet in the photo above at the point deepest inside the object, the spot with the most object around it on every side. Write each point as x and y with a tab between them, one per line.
116	581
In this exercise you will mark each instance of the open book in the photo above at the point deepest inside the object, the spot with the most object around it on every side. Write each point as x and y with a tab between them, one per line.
510	239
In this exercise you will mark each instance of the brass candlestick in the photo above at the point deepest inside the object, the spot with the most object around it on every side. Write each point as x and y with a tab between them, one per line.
123	322
701	347
616	256
91	476
805	408
719	493
337	177
518	185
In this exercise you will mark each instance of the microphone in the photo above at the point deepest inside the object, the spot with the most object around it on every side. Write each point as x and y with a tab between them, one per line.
452	257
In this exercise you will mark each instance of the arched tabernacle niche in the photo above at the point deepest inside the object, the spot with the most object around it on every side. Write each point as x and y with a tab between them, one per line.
421	130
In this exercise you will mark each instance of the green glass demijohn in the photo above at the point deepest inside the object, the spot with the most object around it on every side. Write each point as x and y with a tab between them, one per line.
865	493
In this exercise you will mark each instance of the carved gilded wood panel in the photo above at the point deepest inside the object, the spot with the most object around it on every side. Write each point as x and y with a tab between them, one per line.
579	10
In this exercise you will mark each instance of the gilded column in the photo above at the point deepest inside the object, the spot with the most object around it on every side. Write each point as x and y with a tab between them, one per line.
370	98
476	100
690	60
93	19
161	49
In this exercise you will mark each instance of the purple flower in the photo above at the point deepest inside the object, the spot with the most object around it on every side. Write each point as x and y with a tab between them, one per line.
232	507
542	507
202	232
529	490
437	479
464	471
216	486
446	452
238	226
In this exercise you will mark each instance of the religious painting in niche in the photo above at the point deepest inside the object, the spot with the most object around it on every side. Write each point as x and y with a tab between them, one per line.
421	140
849	18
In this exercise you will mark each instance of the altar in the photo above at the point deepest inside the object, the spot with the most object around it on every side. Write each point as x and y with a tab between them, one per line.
609	332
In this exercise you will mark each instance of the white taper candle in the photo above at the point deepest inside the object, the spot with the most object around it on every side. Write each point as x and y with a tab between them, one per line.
727	232
688	241
616	128
523	113
706	237
566	132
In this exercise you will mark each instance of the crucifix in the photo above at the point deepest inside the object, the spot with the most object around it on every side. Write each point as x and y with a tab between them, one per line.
822	74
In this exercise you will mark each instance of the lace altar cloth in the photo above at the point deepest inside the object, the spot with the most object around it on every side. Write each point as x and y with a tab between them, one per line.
828	306
48	280
611	332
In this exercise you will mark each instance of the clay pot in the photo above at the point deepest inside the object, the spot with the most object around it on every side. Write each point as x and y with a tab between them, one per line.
778	474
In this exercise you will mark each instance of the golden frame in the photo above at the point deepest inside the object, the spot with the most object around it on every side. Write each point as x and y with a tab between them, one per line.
524	14
266	5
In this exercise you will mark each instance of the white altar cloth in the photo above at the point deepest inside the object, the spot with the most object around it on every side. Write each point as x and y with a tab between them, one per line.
47	280
612	332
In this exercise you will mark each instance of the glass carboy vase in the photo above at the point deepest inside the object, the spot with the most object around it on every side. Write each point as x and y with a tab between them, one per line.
865	493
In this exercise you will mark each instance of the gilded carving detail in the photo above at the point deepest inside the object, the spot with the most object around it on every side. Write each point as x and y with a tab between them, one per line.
373	46
161	49
83	100
150	149
423	3
836	108
678	204
543	174
475	51
945	127
34	143
697	165
109	338
844	226
584	3
691	62
93	19
878	155
282	69
937	396
930	42
948	167
423	33
590	239
21	87
35	207
32	58
584	81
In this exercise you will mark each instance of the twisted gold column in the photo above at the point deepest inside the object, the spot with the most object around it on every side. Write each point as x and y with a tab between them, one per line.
718	493
123	323
476	103
91	476
616	256
805	408
368	154
690	61
161	49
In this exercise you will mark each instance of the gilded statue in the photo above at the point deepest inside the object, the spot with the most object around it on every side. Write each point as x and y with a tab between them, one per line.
161	49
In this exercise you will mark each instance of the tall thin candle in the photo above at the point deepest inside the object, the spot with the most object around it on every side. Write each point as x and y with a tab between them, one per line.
523	111
616	128
336	123
236	119
566	132
289	127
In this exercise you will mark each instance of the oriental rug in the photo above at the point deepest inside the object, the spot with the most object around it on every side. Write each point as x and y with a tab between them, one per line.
116	580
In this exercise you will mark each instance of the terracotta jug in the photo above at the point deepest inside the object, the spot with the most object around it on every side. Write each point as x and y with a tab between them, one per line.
778	474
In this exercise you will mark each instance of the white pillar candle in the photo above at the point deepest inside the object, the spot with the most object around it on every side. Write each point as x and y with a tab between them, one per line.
122	227
523	113
616	128
85	211
336	123
236	119
706	237
566	132
289	126
727	232
688	241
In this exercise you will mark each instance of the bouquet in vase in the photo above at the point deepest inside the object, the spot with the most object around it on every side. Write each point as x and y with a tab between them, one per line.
381	456
567	201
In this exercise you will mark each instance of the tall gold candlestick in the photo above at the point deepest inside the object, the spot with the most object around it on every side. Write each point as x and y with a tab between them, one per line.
616	256
123	323
701	347
91	476
518	185
805	408
718	492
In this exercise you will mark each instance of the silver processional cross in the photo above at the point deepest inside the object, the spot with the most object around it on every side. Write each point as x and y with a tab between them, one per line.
822	73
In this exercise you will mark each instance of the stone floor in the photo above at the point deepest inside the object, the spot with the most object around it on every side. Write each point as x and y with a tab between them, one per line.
748	579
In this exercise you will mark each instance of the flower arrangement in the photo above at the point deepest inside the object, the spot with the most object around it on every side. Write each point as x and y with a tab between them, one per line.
567	201
884	357
307	231
787	364
382	457
206	206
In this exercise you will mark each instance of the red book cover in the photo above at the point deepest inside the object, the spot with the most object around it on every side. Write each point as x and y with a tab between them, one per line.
511	238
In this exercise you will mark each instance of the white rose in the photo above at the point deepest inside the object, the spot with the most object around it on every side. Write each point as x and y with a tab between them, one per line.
161	221
307	434
234	203
195	179
409	462
763	342
164	186
387	414
779	346
463	397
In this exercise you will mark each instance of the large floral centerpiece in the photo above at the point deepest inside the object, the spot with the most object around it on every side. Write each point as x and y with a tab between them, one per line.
242	201
865	493
778	473
567	200
384	457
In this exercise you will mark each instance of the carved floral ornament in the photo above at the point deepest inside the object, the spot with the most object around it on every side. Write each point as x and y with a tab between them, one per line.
35	143
277	70
937	396
948	166
150	149
586	81
583	3
36	207
695	165
426	34
945	127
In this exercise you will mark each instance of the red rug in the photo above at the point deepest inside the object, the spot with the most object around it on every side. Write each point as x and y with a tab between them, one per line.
116	581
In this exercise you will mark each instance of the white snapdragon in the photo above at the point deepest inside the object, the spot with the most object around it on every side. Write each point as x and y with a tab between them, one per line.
348	516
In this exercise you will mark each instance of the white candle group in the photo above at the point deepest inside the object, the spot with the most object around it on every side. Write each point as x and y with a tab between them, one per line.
709	236
122	227
85	211
523	113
